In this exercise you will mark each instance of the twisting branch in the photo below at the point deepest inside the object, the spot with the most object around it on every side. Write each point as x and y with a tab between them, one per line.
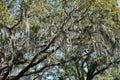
4	67
56	64
7	73
34	58
31	64
44	57
105	68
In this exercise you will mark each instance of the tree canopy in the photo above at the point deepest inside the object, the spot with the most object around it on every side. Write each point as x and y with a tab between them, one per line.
59	39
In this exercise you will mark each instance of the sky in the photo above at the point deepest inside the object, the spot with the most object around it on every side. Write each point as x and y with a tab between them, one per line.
119	3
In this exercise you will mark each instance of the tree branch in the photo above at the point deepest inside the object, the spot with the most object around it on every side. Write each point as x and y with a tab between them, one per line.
31	64
3	67
7	73
56	64
105	68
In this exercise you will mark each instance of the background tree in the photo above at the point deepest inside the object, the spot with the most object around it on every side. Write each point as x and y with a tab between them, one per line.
58	39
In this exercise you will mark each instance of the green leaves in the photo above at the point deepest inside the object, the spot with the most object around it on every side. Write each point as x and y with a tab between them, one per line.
87	33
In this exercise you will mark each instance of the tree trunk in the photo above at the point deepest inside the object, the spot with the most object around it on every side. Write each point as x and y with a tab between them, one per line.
89	77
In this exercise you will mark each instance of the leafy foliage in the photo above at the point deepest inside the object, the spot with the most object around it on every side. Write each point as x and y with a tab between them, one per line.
58	39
